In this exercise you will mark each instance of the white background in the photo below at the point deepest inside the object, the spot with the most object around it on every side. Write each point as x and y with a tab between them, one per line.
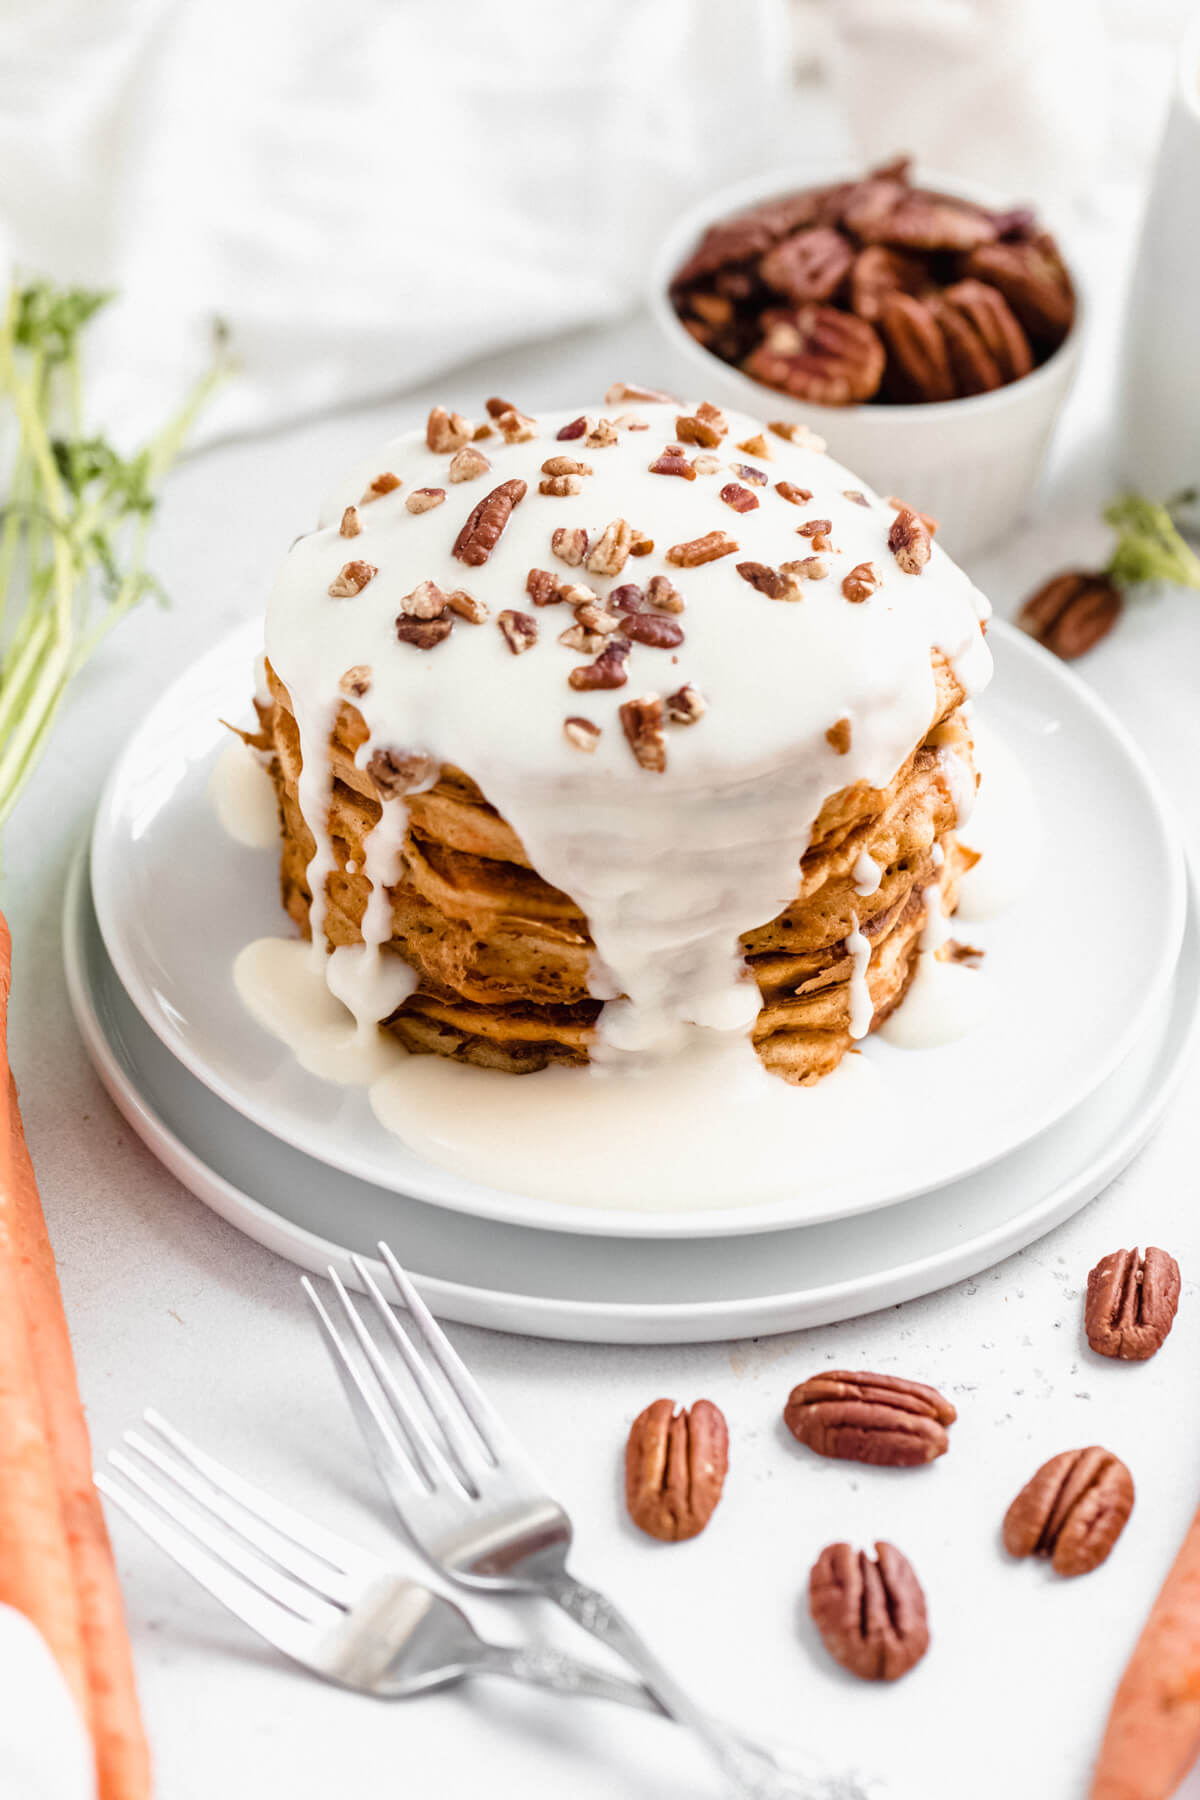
171	1307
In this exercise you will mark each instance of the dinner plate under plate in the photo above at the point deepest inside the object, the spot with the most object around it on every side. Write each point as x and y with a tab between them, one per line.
1078	966
620	1289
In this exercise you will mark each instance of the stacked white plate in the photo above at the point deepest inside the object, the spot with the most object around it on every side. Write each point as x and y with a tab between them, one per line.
1096	973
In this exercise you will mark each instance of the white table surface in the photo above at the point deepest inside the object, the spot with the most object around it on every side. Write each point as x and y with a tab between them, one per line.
170	1306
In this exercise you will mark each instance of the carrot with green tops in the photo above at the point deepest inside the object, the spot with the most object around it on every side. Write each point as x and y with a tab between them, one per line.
56	1563
1153	1733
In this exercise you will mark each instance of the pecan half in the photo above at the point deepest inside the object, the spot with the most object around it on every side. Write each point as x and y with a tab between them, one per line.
425	499
1072	1511
871	1615
988	312
610	552
709	548
809	266
837	359
972	364
686	705
446	430
519	630
481	533
653	628
351	579
880	1419
1034	281
1131	1303
396	772
739	498
861	583
642	722
675	1468
921	221
909	542
1071	612
918	360
608	670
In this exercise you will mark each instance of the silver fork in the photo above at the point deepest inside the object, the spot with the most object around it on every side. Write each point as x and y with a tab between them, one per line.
325	1603
476	1507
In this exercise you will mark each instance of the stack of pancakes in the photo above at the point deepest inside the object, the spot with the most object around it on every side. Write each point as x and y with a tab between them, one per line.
504	958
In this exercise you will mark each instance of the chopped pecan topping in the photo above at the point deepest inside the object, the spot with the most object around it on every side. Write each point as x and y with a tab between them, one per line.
709	548
652	628
351	579
575	429
640	544
871	1615
758	446
880	1419
748	472
686	705
565	465
957	952
812	568
397	772
628	598
578	594
351	524
581	732
426	601
628	390
1072	1511
542	587
569	545
611	550
642	721
672	461
446	430
602	434
794	433
425	499
797	495
356	682
468	464
514	427
481	533
706	465
861	582
608	670
926	519
909	542
838	737
1071	612
561	486
577	637
663	595
518	629
815	528
387	483
675	1464
1131	1303
739	498
424	634
706	426
466	606
857	495
631	422
596	618
775	583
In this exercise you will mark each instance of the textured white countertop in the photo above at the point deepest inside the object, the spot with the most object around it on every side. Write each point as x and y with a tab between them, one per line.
170	1306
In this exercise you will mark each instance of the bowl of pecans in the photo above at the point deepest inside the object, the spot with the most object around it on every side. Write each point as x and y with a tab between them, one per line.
927	331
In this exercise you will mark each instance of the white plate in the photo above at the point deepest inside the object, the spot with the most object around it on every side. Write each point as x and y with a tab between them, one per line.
1079	968
621	1290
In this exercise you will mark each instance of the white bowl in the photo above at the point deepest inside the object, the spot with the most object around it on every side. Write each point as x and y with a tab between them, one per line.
971	463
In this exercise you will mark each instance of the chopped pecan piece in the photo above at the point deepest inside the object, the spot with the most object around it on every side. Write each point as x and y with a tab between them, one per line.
575	429
1131	1303
837	359
610	552
775	583
387	483
879	1419
812	265
581	732
425	499
739	498
672	461
640	544
426	601
926	519
871	1615
513	425
663	595
628	598
856	495
519	630
1072	1511
631	422
748	472
642	722
675	1465
466	606
446	430
793	433
397	772
468	464
569	545
351	579
542	587
706	426
758	446
652	628
351	524
706	465
628	390
486	521
424	634
861	582
577	637
1071	612
356	682
596	618
812	568
909	542
686	705
565	465
601	435
561	486
797	495
815	528
967	954
838	737
709	548
577	594
608	670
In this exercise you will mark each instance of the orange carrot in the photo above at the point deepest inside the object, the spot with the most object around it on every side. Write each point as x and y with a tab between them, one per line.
55	1559
1153	1733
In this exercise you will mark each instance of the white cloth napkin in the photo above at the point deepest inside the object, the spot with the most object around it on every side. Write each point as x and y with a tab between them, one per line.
44	1751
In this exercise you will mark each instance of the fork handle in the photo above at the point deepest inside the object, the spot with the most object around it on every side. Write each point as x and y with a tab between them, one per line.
750	1769
561	1674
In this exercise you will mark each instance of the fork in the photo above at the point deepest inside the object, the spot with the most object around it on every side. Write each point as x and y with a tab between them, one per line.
479	1511
325	1603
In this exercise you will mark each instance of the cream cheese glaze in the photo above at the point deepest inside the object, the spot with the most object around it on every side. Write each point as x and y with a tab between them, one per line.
670	868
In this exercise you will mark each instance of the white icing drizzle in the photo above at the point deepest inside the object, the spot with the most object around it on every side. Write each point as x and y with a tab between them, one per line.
937	854
1005	830
669	868
858	948
944	1000
960	779
867	874
244	797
